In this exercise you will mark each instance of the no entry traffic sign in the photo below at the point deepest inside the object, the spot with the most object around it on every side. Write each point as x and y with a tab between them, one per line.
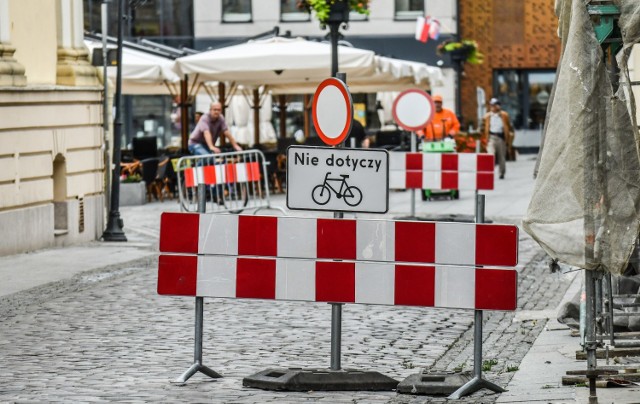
332	111
413	109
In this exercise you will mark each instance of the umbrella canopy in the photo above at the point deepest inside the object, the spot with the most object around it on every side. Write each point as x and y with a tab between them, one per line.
275	61
389	75
142	73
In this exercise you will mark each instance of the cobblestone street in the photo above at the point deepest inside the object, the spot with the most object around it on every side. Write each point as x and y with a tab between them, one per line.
107	336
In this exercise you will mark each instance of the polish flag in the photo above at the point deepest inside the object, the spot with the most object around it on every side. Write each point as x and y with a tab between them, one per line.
427	28
422	29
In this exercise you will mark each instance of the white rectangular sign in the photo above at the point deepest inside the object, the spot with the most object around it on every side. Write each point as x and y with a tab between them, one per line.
347	180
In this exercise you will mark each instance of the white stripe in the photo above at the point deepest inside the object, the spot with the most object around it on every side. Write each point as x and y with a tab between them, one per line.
431	179
431	162
375	283
397	179
297	237
216	276
220	174
467	180
375	240
455	243
397	161
198	175
241	172
455	287
468	162
218	234
295	280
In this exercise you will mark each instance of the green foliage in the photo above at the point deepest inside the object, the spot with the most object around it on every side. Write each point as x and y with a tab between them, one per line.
322	7
513	368
469	46
488	364
132	178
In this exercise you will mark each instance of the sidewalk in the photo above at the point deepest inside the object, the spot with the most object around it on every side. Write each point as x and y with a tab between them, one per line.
28	278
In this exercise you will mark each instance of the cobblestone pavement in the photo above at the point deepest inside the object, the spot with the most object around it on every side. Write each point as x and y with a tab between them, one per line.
107	336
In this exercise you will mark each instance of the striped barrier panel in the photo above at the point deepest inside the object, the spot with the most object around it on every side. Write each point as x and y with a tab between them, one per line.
382	262
231	181
466	171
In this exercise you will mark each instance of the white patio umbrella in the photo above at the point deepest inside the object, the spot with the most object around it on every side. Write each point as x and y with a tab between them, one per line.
275	61
143	73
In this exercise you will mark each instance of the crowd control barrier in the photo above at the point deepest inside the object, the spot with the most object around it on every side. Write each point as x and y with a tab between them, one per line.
233	181
468	171
413	263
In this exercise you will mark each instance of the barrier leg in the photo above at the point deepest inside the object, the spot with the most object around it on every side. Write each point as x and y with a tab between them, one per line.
197	349
336	335
477	383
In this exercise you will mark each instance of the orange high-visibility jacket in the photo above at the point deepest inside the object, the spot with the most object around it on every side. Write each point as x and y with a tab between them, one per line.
444	123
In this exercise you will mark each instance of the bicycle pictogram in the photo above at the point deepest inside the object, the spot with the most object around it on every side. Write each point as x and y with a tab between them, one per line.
321	194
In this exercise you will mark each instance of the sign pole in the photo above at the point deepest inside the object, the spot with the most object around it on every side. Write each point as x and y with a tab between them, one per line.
413	191
336	308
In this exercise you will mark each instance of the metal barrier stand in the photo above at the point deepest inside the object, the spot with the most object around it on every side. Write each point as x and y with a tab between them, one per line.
477	383
197	344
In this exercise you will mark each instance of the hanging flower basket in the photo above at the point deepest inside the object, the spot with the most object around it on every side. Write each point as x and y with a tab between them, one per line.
334	11
461	51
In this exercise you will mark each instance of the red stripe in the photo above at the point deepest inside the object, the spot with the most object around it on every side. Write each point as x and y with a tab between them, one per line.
485	162
496	245
209	174
424	34
189	180
253	172
256	278
449	162
496	289
177	275
415	285
415	242
485	180
336	239
413	161
230	173
449	180
258	235
179	232
413	180
336	282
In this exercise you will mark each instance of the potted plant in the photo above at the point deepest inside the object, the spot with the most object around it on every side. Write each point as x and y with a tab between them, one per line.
465	50
334	11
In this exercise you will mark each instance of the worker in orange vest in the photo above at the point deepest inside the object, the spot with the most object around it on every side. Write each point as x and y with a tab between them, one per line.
444	123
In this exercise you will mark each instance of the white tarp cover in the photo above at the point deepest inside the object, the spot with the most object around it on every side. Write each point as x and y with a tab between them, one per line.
142	73
275	61
585	206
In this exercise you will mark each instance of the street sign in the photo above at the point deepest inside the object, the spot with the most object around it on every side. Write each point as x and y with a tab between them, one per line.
347	180
413	109
332	111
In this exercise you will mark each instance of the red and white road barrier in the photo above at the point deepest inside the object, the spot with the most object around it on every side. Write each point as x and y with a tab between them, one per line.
337	282
442	243
222	174
467	171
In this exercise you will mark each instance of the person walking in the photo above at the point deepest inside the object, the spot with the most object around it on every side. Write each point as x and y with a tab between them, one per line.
497	128
207	131
444	124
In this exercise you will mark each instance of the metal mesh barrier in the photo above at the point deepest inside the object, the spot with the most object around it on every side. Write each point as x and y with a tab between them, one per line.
232	181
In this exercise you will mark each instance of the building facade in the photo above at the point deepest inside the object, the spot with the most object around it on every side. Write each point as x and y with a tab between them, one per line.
51	138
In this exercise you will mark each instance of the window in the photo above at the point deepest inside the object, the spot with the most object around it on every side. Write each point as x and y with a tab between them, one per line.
409	9
524	94
289	11
236	10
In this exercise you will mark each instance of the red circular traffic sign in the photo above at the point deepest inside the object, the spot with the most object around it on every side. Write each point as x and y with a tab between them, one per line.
332	111
413	109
